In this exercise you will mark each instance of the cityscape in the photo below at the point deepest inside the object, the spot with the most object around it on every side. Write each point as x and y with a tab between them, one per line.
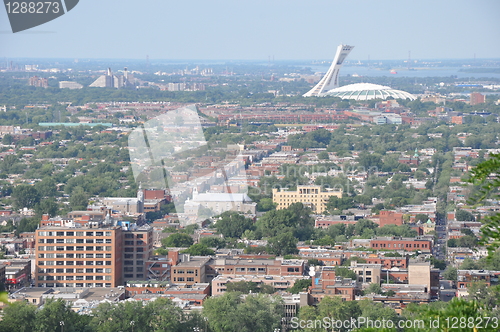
305	185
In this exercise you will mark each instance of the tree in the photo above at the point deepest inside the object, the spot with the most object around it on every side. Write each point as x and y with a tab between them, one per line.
450	273
462	215
78	199
256	313
177	240
245	287
18	316
300	286
482	176
47	206
47	187
323	155
373	288
25	196
283	244
53	312
233	224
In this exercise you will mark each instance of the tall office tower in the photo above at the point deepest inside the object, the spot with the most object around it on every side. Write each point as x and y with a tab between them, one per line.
331	79
137	249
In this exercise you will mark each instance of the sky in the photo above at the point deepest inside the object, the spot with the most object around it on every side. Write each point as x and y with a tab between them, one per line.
262	29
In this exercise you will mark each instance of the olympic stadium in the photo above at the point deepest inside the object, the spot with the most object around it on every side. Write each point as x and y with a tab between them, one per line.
329	84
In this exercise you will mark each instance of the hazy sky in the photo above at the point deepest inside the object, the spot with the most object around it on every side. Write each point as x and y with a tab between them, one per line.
257	29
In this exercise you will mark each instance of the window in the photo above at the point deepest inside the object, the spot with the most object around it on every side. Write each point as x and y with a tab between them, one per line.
128	275
59	240
79	240
140	276
49	241
70	248
79	248
90	234
90	255
89	241
70	270
60	248
180	279
99	233
140	249
89	270
129	236
189	279
69	278
70	233
129	243
127	263
108	240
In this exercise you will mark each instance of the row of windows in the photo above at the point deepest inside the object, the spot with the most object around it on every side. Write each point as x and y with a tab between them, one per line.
73	233
139	249
74	240
131	243
400	245
131	236
97	284
131	256
133	263
131	269
250	269
179	271
140	276
61	255
77	248
184	279
74	263
98	270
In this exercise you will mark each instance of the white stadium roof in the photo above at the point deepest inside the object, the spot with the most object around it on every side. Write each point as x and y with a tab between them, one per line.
367	91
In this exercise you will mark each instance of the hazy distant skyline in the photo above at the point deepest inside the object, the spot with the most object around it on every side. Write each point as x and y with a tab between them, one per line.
258	29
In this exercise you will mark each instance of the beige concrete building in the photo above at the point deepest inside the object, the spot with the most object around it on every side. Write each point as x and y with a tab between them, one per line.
311	196
279	283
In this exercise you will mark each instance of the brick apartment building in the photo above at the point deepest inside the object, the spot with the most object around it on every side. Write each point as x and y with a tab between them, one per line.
94	254
398	243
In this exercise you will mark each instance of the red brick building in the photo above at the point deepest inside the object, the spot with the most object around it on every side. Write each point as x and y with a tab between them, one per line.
390	218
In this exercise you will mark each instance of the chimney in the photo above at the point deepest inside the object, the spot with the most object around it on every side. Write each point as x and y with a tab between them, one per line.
45	217
173	256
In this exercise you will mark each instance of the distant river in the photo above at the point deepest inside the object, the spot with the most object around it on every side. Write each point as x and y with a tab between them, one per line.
404	72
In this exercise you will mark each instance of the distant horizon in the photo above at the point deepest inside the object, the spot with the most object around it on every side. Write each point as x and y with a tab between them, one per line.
347	61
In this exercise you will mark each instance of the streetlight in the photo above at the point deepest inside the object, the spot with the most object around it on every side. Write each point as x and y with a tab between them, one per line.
132	323
62	325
